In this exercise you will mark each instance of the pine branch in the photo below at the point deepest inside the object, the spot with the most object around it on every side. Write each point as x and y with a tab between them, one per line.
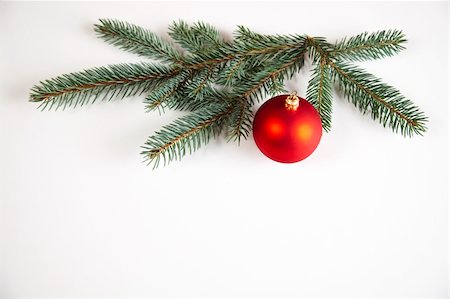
196	39
197	86
368	93
384	102
219	81
241	120
320	94
367	46
137	40
186	134
85	87
235	71
211	95
263	41
167	94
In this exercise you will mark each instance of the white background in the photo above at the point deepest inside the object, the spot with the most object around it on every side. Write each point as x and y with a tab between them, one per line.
81	216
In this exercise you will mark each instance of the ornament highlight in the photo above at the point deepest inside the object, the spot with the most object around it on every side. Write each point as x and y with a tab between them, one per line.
287	128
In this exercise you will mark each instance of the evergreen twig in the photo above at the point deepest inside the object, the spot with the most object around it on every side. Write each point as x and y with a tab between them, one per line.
367	46
185	135
84	87
320	93
382	101
219	81
369	94
198	38
136	40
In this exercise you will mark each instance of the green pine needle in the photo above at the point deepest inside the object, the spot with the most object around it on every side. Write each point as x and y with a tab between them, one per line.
186	134
85	87
384	103
198	38
241	121
136	40
320	93
367	46
167	94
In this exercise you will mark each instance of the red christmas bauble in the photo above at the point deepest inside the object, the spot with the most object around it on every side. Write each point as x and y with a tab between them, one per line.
287	128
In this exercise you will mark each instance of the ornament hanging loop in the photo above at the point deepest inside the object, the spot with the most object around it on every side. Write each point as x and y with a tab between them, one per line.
292	101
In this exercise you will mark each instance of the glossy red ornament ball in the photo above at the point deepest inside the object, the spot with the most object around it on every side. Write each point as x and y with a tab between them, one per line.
287	128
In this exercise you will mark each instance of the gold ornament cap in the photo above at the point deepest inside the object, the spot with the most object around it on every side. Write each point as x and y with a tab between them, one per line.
292	101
